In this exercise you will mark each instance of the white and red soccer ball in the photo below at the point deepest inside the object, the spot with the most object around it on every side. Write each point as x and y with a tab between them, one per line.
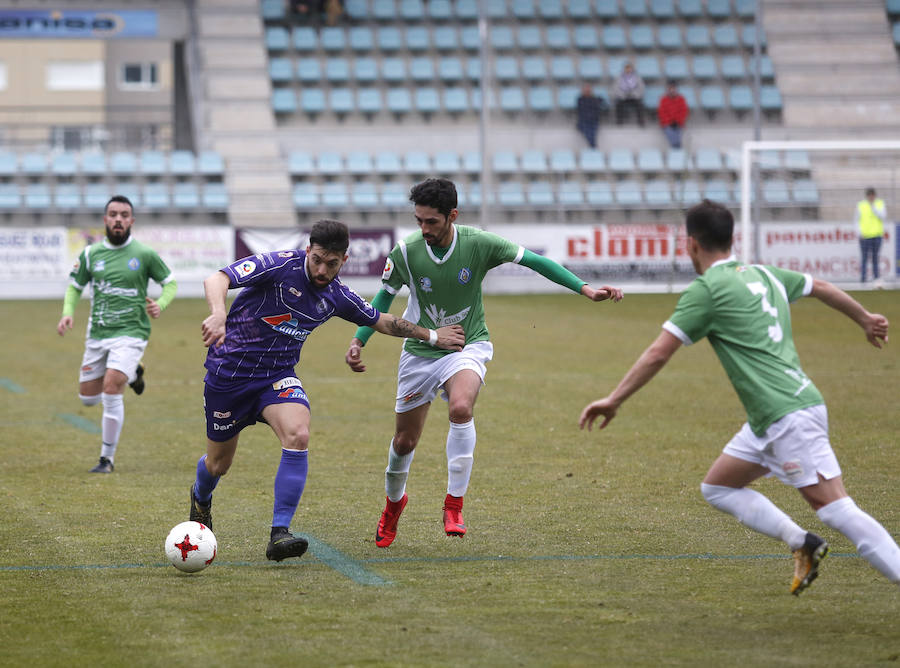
191	546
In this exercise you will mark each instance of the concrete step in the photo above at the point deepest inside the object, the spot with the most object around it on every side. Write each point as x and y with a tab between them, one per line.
231	55
259	182
243	117
222	85
241	145
244	26
882	113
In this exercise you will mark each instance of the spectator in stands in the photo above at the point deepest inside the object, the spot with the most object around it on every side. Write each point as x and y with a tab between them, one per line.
628	92
588	109
870	217
333	11
672	113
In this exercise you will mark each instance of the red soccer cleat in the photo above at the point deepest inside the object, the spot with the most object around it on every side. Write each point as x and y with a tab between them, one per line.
387	525
453	519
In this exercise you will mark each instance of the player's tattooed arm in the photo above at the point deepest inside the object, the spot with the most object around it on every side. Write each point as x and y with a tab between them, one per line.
451	337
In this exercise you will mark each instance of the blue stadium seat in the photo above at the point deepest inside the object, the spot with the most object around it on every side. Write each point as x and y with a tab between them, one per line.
361	39
733	160
284	101
472	162
473	69
64	164
456	100
96	195
123	163
393	70
892	7
769	98
895	33
365	69
93	163
534	161
592	160
769	161
389	38
505	162
357	10
642	38
11	198
634	9
570	193
678	160
557	37
745	9
387	162
469	194
748	37
797	161
37	196
657	193
312	100
718	9
510	193
330	163
687	192
272	10
585	37
421	69
440	10
766	69
733	67
335	195
669	37
614	38
690	9
34	163
281	69
496	9
277	38
368	100
529	38
450	69
579	9
467	10
501	38
359	163
67	196
185	195
445	38
534	68
550	10
590	68
427	100
648	68
740	98
340	101
446	162
156	196
615	65
652	95
650	160
412	10
364	195
506	68
394	195
337	70
309	70
725	37
301	162
540	193
332	38
305	195
806	192
621	160
598	193
607	9
662	9
562	68
675	68
522	9
566	97
182	163
304	39
512	99
469	38
775	191
708	160
562	161
697	37
130	190
712	99
417	39
717	190
704	67
540	99
384	10
210	164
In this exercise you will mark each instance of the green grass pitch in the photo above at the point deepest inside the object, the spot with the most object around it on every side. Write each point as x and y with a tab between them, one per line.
583	549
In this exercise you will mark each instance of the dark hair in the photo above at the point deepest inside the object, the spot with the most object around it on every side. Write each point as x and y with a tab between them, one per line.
870	191
121	199
711	224
439	194
332	235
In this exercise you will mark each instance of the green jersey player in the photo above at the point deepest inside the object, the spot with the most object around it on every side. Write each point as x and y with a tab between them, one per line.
118	269
443	267
744	312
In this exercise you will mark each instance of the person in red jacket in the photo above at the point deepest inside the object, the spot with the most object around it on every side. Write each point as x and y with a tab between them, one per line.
672	113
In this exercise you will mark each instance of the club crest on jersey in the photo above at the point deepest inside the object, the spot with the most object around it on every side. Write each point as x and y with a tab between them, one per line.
134	263
100	265
464	275
286	324
245	268
388	269
321	306
425	284
295	292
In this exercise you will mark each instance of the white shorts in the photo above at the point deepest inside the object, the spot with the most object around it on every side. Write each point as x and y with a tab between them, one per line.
794	448
420	378
122	353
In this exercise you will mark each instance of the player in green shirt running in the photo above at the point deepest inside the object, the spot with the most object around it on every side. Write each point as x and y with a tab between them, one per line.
118	268
744	311
443	266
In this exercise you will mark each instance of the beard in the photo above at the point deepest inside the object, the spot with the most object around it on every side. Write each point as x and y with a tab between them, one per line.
117	237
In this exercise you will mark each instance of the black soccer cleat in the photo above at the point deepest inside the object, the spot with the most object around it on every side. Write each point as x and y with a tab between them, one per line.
283	544
138	384
200	512
105	466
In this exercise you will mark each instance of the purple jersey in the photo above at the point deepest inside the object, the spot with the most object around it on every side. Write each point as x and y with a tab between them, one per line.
274	313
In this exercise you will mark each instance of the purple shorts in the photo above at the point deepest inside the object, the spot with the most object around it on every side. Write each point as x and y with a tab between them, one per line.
230	407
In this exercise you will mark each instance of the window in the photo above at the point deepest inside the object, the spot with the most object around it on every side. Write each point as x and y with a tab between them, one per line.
138	76
74	75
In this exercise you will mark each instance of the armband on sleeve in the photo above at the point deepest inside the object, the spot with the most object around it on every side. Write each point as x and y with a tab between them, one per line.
168	294
382	302
551	270
70	300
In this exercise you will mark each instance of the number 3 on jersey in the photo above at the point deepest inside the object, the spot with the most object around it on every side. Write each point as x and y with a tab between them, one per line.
757	288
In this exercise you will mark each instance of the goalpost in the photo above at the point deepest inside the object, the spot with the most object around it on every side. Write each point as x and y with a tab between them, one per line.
834	175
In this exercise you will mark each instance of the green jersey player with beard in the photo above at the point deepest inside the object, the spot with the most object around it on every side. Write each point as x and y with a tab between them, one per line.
118	269
443	266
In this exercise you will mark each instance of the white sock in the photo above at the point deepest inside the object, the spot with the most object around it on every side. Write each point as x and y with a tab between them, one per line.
756	512
396	473
89	400
872	541
113	417
460	449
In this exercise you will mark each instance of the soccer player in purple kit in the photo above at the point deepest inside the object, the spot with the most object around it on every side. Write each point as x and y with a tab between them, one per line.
252	353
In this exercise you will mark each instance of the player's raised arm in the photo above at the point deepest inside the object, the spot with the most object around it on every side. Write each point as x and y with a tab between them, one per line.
213	327
874	325
560	275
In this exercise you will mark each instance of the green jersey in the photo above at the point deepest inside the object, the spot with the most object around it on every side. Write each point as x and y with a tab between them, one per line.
119	277
744	311
446	290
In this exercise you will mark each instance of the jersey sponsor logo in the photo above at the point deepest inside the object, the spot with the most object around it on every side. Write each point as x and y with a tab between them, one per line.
295	393
792	470
388	269
286	382
87	367
286	254
440	318
295	292
425	284
285	324
245	268
221	416
464	275
134	264
222	427
99	265
107	288
409	398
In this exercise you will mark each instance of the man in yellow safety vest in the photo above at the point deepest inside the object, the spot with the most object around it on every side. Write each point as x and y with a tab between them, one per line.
870	217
